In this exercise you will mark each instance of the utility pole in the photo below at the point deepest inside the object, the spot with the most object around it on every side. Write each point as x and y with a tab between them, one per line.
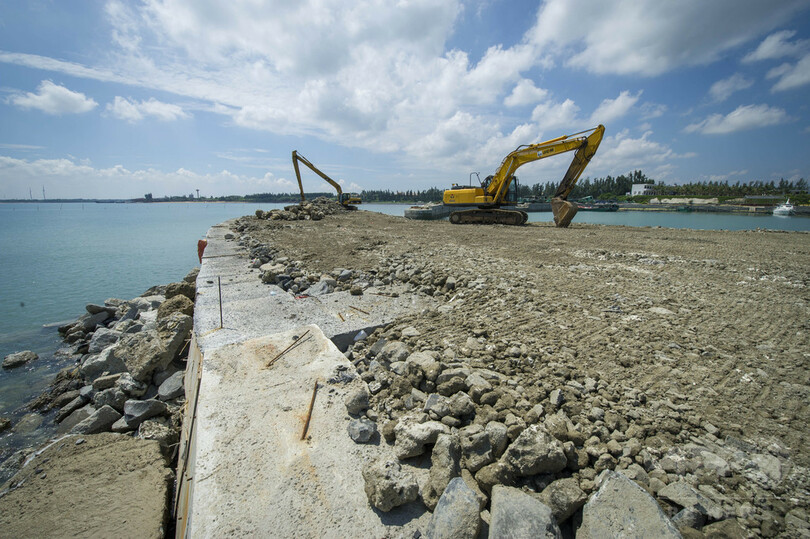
43	192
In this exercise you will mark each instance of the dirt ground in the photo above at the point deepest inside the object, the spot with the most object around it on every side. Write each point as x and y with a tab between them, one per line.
735	343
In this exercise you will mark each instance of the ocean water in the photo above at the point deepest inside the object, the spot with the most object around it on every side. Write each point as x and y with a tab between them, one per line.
55	258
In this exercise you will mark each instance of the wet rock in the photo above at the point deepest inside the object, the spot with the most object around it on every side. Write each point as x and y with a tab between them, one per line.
12	361
622	508
535	451
457	514
518	514
563	497
5	423
445	465
361	430
28	423
411	437
100	421
172	387
387	485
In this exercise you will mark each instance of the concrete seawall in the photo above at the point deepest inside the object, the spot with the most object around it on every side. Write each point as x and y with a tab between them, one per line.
257	354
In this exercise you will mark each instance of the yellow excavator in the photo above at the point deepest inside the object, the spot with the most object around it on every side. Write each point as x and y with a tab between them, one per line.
492	195
346	199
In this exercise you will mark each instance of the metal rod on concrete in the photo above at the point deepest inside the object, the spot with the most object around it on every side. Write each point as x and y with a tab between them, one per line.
356	309
296	341
309	413
341	317
219	281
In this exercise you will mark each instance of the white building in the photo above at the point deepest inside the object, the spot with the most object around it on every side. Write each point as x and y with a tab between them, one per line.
642	189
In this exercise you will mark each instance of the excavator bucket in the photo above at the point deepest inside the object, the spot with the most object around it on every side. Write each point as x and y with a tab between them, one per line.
563	211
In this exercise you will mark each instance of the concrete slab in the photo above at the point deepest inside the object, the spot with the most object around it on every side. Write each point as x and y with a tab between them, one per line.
251	308
254	476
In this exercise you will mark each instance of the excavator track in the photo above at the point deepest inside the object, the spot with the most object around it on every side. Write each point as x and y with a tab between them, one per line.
489	217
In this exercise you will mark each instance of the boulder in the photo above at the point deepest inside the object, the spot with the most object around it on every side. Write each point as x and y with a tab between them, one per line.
177	304
476	447
517	514
142	353
113	397
137	411
685	495
106	362
183	288
100	421
563	497
89	322
622	508
105	382
387	485
321	288
174	330
130	386
534	452
445	465
393	351
411	437
362	430
357	400
18	359
102	338
172	387
457	515
78	415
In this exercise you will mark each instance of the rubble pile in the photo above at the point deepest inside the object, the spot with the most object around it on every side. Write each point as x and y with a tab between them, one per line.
313	210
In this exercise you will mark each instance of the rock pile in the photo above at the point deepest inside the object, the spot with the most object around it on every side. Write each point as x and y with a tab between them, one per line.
313	210
130	367
500	388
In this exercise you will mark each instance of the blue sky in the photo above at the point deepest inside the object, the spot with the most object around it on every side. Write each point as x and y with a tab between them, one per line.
104	99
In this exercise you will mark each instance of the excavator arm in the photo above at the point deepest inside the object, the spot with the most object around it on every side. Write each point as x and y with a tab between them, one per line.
345	199
493	194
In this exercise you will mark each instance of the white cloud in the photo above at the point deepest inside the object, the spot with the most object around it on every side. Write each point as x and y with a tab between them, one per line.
54	99
622	152
650	37
553	115
722	89
134	111
525	93
742	118
777	46
72	178
611	109
794	76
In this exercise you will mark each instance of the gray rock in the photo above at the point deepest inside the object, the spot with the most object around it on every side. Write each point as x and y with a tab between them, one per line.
476	447
535	451
173	330
93	308
158	377
177	304
105	362
437	404
28	423
182	288
685	495
130	386
105	382
393	351
143	353
100	421
445	465
556	397
18	359
158	429
461	405
357	400
564	498
411	437
362	430
497	437
75	417
517	514
121	426
69	408
90	321
110	397
622	508
137	411
457	515
387	485
321	288
102	338
427	363
172	387
689	517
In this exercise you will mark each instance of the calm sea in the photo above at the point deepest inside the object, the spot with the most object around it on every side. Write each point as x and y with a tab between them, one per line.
55	258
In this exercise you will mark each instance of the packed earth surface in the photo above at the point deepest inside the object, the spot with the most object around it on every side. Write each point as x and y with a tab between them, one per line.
676	357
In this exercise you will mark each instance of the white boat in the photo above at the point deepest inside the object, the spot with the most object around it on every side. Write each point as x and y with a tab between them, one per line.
784	209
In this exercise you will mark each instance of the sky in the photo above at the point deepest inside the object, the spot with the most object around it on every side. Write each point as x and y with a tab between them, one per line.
116	99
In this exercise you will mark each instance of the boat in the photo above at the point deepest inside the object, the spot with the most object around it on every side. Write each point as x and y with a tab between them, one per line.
784	209
684	209
599	206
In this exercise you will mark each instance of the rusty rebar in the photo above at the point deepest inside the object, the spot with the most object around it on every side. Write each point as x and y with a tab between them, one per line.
295	342
309	412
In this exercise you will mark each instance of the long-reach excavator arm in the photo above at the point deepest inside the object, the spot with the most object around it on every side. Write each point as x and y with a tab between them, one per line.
344	198
492	195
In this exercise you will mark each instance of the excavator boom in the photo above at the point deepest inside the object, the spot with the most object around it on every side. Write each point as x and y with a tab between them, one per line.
492	195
